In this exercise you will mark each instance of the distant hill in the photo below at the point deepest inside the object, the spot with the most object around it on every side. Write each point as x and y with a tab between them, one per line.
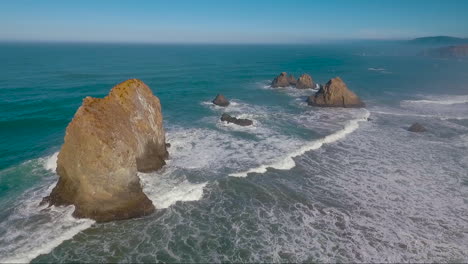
459	51
439	40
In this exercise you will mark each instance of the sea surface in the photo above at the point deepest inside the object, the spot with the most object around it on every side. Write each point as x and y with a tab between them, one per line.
303	184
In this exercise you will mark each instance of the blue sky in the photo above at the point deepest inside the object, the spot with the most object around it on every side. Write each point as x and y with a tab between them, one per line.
234	21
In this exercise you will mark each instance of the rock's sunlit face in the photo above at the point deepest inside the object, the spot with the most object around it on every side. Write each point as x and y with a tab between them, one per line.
106	143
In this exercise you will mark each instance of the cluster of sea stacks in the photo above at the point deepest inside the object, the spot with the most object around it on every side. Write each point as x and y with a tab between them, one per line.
334	94
110	140
285	80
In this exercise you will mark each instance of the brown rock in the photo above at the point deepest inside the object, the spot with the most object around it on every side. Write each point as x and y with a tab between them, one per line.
220	100
238	121
416	127
108	141
335	94
305	82
292	81
283	80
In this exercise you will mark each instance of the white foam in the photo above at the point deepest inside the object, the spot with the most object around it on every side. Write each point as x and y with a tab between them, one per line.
442	100
32	230
288	162
380	70
168	186
210	104
51	162
376	69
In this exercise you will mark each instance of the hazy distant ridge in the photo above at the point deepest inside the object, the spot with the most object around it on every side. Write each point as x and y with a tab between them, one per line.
445	40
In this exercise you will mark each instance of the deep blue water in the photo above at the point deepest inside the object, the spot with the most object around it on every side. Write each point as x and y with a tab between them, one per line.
338	187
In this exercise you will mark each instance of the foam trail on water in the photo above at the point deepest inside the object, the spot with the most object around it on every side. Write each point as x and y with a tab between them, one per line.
419	115
164	190
288	163
32	229
46	237
447	100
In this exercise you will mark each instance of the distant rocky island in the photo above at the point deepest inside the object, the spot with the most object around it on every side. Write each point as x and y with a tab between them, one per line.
460	51
439	40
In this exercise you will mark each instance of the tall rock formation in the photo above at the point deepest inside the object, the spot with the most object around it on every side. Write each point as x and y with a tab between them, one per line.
335	94
108	141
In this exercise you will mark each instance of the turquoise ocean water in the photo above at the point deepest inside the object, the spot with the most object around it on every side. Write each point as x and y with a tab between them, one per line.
302	184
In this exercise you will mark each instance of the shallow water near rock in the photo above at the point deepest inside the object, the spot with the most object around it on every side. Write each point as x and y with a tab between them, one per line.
301	184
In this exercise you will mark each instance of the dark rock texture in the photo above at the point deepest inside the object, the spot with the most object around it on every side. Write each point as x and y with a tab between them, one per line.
108	141
416	127
241	122
221	100
335	94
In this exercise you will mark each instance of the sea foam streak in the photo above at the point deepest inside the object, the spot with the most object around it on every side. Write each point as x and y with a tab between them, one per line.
32	230
51	162
288	162
33	240
446	100
165	190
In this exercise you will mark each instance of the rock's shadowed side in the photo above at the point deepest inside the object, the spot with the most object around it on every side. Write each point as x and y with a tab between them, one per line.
221	100
283	80
108	141
305	82
416	127
238	121
292	81
335	94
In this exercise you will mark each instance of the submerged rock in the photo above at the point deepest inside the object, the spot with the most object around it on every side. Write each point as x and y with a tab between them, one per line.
283	80
108	141
335	94
220	100
416	127
305	82
238	121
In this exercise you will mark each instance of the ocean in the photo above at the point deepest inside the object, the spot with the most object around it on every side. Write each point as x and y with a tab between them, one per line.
303	184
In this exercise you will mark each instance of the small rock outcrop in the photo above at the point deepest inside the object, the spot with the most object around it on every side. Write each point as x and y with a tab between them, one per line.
335	94
416	127
221	100
283	80
108	141
238	121
305	82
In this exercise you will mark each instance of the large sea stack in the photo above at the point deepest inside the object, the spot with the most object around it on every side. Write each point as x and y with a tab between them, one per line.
305	82
283	80
335	94
108	141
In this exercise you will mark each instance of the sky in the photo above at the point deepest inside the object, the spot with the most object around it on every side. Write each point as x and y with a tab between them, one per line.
229	21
